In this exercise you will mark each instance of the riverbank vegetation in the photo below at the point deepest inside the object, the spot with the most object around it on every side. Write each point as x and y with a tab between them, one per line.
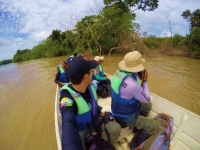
114	30
4	62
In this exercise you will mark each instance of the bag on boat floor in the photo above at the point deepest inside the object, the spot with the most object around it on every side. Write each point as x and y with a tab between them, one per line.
95	142
103	90
162	137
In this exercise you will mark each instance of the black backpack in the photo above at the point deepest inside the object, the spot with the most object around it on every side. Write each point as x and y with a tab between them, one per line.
95	142
103	90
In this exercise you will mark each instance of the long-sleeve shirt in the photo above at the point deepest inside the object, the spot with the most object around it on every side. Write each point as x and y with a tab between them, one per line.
70	134
131	89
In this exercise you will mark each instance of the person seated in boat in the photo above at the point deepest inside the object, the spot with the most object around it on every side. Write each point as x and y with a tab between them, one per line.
86	55
100	76
79	107
131	98
71	57
61	76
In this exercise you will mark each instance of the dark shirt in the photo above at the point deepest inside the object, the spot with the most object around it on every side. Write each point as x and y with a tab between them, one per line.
70	134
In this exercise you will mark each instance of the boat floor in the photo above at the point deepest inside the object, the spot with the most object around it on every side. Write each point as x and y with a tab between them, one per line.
126	134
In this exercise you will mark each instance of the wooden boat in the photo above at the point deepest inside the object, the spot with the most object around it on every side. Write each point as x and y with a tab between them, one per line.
186	132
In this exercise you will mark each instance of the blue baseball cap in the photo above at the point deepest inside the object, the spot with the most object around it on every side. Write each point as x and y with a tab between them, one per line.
79	66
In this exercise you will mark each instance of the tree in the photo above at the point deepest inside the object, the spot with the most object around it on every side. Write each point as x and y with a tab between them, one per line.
56	34
21	54
7	61
144	5
194	36
193	42
192	18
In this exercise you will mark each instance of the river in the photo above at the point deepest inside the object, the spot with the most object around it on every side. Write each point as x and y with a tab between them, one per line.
27	92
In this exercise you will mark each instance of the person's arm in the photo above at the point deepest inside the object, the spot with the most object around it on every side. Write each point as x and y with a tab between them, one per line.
100	78
70	134
142	94
131	89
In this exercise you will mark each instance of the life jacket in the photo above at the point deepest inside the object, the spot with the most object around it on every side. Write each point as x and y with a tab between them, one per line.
122	107
70	59
84	116
63	77
101	72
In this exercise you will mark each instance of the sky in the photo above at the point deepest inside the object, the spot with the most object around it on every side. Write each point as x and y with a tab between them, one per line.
25	23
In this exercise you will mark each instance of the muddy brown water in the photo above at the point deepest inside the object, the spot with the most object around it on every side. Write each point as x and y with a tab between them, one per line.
27	94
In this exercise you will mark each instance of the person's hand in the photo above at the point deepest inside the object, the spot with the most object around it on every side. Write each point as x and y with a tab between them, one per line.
145	75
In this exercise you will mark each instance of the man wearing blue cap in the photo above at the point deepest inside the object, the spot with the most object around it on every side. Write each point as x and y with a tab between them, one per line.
79	107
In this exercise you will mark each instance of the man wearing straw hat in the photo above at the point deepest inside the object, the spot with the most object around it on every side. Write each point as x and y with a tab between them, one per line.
131	98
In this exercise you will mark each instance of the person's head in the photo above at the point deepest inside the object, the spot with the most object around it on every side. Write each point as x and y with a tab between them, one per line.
99	59
75	55
80	71
132	62
64	64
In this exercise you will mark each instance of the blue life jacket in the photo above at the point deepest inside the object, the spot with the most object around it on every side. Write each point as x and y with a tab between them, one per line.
63	77
70	59
122	107
84	116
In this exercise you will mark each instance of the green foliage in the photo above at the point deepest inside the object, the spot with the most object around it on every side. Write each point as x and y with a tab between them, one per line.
7	61
192	18
144	5
152	42
56	35
193	42
21	55
178	41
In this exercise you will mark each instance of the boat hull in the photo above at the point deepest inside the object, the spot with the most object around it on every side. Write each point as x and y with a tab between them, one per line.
186	132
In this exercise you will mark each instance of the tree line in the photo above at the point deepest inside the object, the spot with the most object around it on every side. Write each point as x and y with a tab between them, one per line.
113	29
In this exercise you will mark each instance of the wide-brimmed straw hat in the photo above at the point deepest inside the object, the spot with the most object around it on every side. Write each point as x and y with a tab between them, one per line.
133	62
98	58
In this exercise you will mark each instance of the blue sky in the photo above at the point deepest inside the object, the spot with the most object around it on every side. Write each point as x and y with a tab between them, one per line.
25	23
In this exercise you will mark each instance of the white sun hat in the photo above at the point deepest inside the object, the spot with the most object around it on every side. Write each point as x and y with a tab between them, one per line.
98	58
132	62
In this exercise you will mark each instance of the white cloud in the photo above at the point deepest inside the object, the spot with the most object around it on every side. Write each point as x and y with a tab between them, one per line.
156	23
165	34
29	22
39	36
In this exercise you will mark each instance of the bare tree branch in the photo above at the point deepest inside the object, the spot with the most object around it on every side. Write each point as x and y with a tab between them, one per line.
167	14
